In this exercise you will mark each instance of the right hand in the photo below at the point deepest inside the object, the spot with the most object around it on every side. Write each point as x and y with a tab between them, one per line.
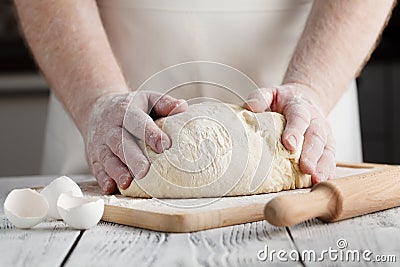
112	154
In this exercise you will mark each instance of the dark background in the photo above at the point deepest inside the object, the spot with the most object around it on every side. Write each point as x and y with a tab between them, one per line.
24	96
379	97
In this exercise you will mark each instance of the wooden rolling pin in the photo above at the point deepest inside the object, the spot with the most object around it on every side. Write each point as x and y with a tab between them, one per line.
338	199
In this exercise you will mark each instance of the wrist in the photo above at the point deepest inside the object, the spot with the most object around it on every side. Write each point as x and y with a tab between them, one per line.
82	111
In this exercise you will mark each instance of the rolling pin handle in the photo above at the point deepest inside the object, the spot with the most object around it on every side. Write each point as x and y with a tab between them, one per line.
289	210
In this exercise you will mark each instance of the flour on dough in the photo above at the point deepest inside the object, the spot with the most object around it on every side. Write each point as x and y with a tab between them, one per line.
220	150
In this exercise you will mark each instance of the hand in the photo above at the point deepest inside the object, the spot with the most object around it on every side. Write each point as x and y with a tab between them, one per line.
304	118
115	121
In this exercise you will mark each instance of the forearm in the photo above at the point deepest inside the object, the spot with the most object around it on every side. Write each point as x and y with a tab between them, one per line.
71	48
337	41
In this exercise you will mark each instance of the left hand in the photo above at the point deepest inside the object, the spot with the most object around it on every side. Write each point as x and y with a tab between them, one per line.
304	118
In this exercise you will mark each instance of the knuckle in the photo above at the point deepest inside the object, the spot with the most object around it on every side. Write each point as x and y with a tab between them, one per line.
166	99
315	134
121	170
312	150
114	137
152	134
331	140
96	167
134	118
101	176
104	154
330	149
116	171
141	168
90	156
119	149
317	131
114	142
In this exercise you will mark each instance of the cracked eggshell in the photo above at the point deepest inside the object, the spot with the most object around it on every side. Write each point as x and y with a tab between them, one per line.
25	208
79	212
53	191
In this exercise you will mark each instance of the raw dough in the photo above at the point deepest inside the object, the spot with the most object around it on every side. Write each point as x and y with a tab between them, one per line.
220	150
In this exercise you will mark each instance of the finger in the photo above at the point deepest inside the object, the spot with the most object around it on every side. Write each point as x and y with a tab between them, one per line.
141	125
125	148
114	142
315	139
165	105
137	161
326	166
115	168
298	119
260	100
107	185
117	171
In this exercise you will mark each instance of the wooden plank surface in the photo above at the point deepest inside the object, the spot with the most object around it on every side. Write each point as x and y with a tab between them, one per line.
45	245
378	232
108	244
229	246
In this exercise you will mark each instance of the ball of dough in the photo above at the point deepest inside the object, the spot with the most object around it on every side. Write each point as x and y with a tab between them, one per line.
220	150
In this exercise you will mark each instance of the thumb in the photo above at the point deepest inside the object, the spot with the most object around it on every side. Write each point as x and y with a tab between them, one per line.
260	100
165	105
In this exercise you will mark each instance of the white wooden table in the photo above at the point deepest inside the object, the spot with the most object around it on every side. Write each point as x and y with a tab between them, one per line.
52	243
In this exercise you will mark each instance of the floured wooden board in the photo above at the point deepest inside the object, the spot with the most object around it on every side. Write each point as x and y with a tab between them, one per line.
189	215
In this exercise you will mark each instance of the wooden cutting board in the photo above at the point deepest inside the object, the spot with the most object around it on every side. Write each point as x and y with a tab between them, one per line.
189	215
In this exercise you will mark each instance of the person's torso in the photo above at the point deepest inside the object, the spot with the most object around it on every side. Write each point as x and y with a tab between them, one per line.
256	37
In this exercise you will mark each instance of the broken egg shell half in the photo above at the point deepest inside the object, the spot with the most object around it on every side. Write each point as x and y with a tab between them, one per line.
53	191
25	208
78	212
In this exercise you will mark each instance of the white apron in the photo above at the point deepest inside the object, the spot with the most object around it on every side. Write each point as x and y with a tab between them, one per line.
256	37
